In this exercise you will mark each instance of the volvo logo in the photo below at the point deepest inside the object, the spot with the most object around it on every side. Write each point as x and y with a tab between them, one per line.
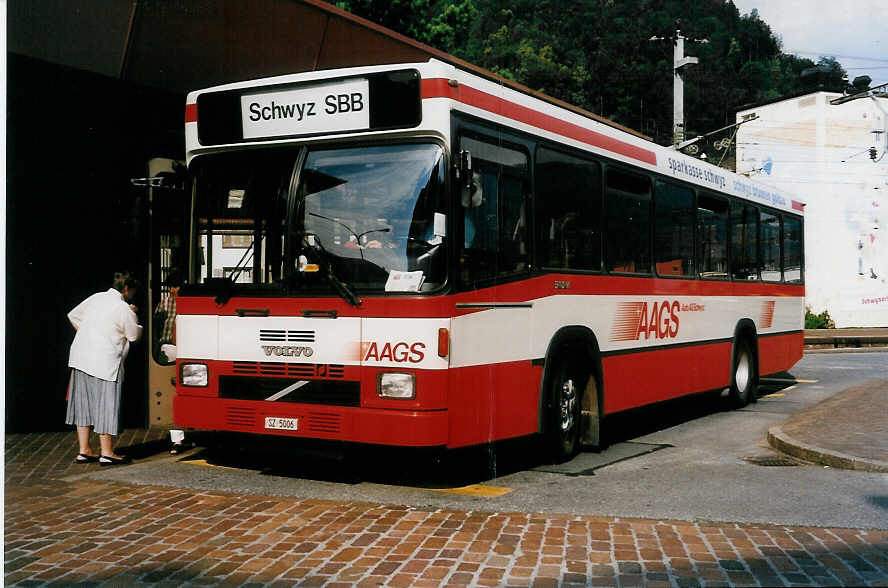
287	351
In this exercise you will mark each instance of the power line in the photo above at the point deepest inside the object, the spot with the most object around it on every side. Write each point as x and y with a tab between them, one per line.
835	56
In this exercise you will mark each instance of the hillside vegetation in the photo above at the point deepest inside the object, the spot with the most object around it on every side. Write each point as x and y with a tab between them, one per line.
598	54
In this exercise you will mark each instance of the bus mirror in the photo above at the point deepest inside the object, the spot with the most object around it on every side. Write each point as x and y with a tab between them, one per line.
472	196
440	225
464	171
164	174
176	180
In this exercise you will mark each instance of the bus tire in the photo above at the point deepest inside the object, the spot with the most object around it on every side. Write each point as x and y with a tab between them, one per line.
591	434
744	375
568	382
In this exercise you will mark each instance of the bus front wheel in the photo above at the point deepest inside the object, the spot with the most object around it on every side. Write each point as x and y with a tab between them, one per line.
744	377
564	410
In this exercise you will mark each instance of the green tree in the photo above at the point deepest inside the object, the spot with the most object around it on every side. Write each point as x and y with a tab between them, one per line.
404	16
598	54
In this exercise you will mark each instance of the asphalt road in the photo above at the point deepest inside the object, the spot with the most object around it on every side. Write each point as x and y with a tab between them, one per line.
692	459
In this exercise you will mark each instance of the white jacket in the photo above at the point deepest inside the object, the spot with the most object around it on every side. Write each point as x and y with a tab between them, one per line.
105	326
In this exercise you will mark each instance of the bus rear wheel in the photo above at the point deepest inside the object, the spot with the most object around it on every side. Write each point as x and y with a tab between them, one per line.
564	410
744	377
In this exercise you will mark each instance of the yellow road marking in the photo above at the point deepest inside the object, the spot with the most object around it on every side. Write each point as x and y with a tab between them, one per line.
472	490
789	381
775	395
204	463
475	490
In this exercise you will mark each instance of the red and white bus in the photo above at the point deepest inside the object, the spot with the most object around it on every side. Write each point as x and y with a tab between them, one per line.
414	255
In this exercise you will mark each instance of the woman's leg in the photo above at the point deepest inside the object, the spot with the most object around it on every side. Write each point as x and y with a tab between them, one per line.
83	440
105	443
108	455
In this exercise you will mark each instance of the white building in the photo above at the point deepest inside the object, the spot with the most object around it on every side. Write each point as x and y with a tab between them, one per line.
821	153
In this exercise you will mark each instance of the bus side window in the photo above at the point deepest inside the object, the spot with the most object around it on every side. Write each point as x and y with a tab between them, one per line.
494	229
568	211
712	237
770	242
673	230
628	222
744	242
513	232
792	250
481	227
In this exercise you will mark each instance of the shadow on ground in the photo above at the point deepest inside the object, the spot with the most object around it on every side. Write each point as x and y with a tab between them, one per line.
349	464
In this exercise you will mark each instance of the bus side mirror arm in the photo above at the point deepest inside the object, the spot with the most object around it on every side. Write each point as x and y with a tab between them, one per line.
464	170
468	181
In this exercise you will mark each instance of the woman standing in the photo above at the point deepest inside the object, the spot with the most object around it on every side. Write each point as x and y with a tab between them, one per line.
106	324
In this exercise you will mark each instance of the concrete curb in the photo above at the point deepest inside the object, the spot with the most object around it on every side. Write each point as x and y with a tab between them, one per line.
836	459
846	350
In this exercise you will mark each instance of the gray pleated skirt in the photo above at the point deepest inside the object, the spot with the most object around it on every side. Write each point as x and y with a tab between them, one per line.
95	402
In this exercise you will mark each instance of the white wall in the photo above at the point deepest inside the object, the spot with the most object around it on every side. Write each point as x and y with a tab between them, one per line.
820	153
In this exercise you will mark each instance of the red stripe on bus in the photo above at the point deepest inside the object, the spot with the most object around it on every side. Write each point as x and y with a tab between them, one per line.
190	113
519	291
440	88
796	205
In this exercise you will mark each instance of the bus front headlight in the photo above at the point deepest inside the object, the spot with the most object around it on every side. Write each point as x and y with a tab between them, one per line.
395	385
194	374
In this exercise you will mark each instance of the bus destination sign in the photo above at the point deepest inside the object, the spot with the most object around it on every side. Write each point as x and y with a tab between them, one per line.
326	108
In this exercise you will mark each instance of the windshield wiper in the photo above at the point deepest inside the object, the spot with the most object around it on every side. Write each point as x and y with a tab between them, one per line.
344	291
246	257
228	283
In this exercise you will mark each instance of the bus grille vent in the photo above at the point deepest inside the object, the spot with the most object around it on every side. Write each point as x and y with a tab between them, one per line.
237	416
292	370
245	367
272	335
281	335
321	422
303	370
273	369
301	336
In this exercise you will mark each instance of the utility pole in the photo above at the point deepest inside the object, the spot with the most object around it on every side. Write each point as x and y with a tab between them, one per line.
678	62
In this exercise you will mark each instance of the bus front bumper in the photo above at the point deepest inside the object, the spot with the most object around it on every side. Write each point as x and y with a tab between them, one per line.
406	428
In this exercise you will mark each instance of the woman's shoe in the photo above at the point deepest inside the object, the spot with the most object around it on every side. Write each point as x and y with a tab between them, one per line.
107	460
84	458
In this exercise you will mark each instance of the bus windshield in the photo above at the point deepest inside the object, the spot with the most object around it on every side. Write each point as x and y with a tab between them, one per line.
371	218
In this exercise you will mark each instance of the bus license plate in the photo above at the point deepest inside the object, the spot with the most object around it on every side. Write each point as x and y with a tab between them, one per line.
281	423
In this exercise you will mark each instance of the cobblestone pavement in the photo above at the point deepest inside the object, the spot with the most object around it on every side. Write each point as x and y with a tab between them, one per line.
62	532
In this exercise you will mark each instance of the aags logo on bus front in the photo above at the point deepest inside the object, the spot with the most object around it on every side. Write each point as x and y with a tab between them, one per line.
657	321
398	352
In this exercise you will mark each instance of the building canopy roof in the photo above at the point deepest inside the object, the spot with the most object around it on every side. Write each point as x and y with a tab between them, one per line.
185	45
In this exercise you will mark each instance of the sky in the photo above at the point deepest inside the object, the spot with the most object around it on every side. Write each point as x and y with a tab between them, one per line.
855	32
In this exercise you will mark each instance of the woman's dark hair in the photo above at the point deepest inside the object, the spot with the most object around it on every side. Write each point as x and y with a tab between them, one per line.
124	278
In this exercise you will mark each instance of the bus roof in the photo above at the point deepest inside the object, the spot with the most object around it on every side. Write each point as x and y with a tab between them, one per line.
513	106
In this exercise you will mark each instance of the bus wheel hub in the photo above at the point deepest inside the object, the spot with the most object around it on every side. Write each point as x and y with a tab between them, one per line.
568	404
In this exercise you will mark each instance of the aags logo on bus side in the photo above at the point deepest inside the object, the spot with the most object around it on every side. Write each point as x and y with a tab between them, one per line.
633	320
